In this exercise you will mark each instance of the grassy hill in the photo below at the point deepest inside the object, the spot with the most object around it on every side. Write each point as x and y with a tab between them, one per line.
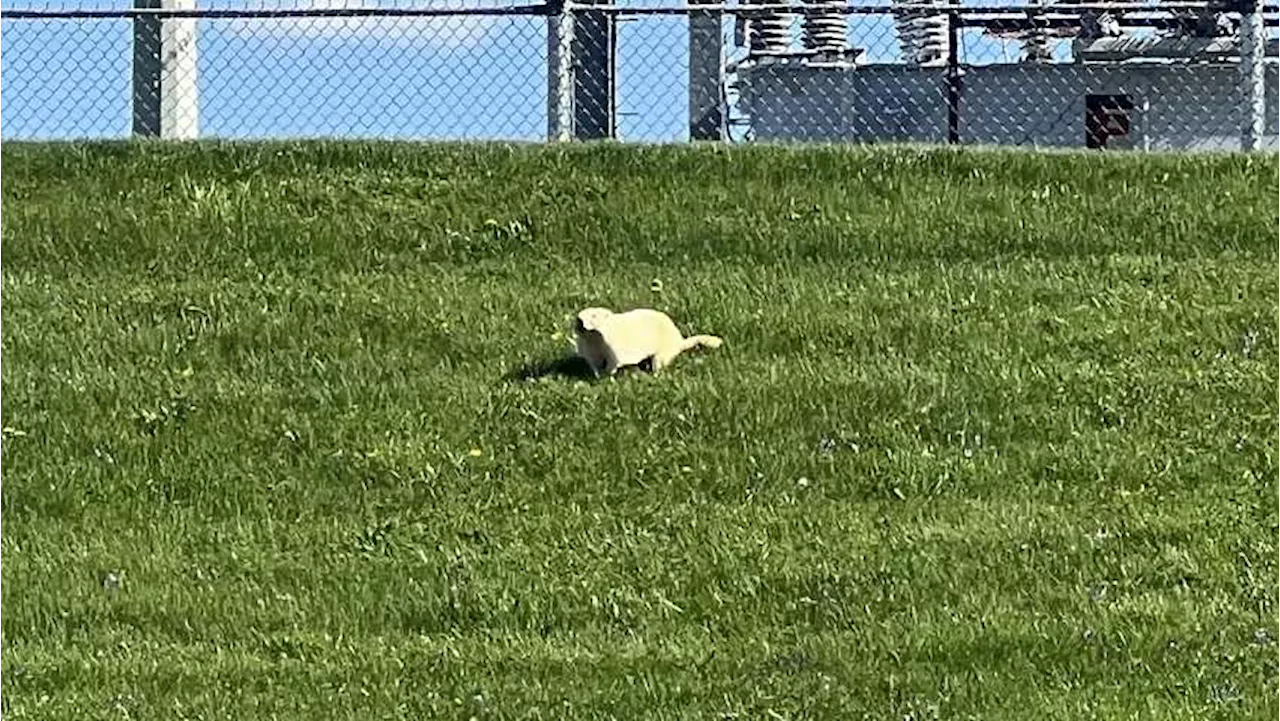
287	434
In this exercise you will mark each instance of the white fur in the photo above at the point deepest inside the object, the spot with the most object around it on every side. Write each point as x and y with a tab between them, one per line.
609	341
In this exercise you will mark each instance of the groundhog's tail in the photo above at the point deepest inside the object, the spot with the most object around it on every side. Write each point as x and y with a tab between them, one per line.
706	341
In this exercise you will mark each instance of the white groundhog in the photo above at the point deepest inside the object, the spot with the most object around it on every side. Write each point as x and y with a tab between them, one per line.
609	341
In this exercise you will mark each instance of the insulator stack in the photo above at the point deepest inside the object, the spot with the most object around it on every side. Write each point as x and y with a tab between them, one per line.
770	33
826	32
923	37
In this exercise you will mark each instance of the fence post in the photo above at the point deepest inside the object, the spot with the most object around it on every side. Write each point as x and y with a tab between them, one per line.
706	73
1253	43
953	77
166	101
559	71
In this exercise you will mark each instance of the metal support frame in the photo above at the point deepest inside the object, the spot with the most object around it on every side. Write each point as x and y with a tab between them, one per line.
146	71
594	48
706	75
166	93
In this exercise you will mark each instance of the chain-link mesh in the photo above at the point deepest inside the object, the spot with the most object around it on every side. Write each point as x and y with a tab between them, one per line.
1144	75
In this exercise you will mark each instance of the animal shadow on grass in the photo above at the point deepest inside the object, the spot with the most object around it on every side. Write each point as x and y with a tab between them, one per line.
571	367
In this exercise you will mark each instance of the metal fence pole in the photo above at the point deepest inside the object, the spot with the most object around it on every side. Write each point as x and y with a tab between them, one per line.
559	71
1253	42
953	77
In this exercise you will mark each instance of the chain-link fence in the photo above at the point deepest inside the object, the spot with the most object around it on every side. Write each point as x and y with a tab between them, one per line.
1143	75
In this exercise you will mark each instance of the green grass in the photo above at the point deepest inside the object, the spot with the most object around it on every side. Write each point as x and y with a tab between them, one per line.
993	434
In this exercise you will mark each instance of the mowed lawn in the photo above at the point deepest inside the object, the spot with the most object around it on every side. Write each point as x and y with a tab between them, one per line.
287	434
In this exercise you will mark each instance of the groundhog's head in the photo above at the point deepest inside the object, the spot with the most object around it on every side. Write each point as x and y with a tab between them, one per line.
589	319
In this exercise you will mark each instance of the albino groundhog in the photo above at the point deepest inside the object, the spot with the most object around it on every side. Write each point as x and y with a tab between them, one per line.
609	341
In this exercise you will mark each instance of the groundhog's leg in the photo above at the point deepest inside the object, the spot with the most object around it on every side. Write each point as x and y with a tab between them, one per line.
662	359
594	361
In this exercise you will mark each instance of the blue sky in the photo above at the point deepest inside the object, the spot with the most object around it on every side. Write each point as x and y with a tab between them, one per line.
474	77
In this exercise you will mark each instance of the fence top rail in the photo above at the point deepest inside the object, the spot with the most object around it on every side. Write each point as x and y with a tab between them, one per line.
1065	9
265	13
